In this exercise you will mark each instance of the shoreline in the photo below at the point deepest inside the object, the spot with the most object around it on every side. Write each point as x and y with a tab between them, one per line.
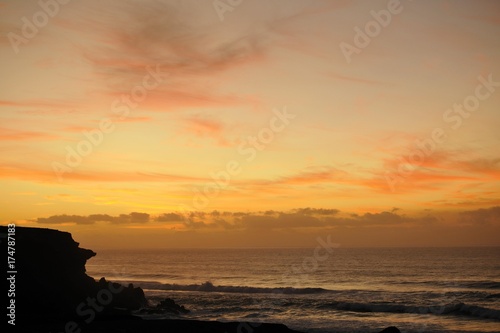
55	294
135	324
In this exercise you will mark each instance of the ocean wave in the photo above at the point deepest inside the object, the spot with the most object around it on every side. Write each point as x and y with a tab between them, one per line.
209	287
460	309
481	284
465	284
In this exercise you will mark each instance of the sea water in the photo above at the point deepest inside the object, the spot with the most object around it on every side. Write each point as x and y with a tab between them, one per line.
343	290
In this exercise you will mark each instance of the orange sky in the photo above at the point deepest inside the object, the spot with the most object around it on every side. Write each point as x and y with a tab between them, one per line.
265	124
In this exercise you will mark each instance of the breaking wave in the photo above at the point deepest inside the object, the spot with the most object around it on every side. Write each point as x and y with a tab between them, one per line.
459	309
209	287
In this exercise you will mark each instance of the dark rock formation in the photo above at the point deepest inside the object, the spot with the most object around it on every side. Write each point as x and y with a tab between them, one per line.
51	281
391	329
129	298
169	305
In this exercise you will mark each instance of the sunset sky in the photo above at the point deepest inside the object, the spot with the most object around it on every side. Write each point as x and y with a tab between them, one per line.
252	123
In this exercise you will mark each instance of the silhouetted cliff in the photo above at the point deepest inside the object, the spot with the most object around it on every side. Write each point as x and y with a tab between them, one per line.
51	282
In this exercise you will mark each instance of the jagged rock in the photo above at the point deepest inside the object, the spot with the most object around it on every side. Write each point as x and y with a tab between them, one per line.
169	305
129	298
391	329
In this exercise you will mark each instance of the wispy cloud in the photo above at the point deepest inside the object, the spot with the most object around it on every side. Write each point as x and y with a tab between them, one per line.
16	135
204	127
166	36
31	172
52	104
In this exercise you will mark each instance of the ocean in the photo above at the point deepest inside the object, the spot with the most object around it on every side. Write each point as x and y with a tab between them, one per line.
343	290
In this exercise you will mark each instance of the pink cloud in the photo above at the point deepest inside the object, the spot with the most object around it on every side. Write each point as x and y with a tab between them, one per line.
204	127
14	135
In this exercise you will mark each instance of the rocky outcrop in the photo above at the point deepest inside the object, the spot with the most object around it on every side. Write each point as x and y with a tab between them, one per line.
51	281
390	329
167	305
